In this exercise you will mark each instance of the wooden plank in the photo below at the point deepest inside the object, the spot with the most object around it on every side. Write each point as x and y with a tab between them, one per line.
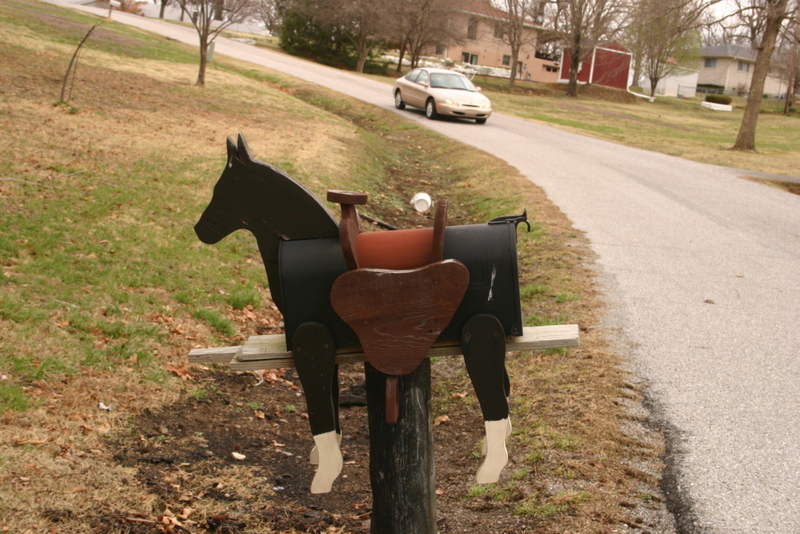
217	355
269	352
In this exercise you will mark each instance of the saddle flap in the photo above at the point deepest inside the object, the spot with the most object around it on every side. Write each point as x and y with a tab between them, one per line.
398	315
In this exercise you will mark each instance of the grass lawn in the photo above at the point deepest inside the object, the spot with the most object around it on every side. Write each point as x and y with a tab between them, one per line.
104	289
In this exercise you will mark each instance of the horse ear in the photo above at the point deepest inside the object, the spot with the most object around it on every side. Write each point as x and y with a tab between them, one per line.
233	152
244	150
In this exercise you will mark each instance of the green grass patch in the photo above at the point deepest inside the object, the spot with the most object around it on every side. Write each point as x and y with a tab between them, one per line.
215	320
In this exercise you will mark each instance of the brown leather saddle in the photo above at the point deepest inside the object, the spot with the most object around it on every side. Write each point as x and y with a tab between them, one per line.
399	294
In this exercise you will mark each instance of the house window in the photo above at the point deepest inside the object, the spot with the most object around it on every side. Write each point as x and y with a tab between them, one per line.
499	30
472	29
439	49
711	63
744	66
506	60
469	58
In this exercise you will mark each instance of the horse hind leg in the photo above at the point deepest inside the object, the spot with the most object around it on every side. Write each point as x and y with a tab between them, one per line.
484	347
314	356
507	385
313	458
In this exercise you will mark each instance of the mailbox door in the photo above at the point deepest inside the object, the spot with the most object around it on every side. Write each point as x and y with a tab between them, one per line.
490	253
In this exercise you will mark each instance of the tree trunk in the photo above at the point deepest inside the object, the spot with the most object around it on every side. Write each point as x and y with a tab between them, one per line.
792	81
201	74
513	76
653	83
361	61
776	12
575	62
163	7
400	59
637	70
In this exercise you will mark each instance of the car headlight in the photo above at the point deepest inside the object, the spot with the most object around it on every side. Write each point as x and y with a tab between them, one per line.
449	101
486	105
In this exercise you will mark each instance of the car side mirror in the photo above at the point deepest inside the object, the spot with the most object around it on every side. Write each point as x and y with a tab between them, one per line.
479	89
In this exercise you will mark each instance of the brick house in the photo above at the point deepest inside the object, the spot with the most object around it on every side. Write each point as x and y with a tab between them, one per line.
482	44
731	67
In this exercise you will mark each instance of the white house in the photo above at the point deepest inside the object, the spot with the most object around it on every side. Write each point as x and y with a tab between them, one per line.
731	68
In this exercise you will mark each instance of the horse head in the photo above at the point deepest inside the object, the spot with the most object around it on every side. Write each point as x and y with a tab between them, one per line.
258	197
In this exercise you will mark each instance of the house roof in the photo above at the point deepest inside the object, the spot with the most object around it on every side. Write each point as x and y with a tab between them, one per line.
730	51
485	9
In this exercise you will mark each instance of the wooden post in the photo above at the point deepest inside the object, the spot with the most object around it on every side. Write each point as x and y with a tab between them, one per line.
401	461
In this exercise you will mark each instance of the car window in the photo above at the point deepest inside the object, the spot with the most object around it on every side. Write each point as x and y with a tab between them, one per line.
451	81
423	76
412	76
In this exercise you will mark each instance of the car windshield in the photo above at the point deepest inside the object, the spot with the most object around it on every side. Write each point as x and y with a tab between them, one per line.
441	80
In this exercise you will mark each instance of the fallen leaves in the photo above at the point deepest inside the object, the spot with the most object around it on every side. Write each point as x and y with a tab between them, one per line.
179	370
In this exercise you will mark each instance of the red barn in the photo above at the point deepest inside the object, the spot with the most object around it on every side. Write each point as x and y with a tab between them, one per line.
609	65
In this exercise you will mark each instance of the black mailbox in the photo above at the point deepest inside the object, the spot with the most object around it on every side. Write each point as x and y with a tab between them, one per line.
309	267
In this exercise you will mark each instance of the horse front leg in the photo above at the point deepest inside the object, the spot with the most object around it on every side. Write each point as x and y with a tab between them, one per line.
314	357
484	346
313	458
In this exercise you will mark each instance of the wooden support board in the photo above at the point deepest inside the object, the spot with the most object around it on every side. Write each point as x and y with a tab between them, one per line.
269	352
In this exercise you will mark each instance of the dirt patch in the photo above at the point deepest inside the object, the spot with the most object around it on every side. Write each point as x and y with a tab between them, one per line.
188	443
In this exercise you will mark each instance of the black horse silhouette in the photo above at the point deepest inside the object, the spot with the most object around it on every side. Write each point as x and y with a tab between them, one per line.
298	239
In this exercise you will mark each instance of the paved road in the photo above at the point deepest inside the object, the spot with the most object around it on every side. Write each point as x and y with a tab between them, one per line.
702	268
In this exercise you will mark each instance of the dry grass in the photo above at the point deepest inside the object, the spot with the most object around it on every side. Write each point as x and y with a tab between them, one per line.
101	279
675	126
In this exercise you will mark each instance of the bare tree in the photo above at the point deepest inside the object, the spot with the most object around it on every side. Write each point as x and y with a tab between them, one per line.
664	37
746	23
774	12
365	23
269	14
164	4
518	28
210	18
581	25
421	24
792	43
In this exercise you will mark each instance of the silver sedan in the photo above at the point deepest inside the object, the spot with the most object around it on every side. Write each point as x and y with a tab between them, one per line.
441	92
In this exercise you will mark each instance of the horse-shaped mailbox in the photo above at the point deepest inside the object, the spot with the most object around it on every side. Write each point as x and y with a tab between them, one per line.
394	293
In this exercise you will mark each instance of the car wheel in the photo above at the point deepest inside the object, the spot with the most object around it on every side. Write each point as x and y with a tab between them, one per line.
430	109
398	100
480	121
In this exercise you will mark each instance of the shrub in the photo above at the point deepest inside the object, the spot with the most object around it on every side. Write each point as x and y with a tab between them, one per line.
719	99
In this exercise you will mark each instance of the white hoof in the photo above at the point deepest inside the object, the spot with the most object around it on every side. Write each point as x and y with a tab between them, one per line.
496	452
330	462
508	433
313	457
